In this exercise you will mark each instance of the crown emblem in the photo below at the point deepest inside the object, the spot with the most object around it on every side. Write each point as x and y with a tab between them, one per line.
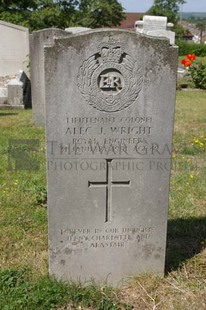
110	80
110	51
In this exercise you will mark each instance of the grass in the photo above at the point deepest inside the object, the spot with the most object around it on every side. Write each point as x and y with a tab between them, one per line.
24	282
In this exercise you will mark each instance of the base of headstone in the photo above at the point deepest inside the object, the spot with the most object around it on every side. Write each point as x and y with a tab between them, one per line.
11	107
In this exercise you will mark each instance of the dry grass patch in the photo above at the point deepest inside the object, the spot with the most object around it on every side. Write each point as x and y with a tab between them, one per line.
182	289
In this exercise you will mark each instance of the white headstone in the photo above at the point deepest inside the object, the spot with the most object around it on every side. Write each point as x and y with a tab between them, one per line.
3	95
154	23
156	26
14	48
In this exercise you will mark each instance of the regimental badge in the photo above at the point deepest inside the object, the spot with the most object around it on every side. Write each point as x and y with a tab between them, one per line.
111	79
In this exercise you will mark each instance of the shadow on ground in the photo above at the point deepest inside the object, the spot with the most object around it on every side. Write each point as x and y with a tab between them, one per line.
7	114
185	239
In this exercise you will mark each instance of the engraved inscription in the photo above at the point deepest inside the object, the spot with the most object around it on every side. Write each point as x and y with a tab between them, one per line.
112	237
114	135
111	79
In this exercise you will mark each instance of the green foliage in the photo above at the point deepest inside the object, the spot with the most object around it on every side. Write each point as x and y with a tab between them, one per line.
40	192
18	18
191	48
198	74
201	25
17	5
39	14
197	146
168	8
195	73
92	296
179	30
18	291
95	13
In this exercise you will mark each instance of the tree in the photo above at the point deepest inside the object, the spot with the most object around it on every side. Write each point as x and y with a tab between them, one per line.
201	25
17	11
97	13
39	14
168	8
49	13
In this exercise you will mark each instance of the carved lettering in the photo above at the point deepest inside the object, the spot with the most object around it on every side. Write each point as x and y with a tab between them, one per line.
109	120
78	130
104	238
131	130
111	81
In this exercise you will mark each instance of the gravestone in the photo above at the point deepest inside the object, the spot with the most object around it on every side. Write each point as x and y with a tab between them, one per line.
154	23
37	41
3	95
156	26
109	119
14	48
16	91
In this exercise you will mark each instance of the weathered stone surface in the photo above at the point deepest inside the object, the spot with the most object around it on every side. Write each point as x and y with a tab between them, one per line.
14	48
15	92
3	95
38	39
109	115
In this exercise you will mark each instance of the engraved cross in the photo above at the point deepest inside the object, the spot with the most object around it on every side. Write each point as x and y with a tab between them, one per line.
109	184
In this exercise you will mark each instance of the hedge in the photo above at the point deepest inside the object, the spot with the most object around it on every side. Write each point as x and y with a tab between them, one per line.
191	48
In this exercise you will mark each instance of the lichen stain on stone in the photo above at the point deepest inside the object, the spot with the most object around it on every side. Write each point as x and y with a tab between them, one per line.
168	53
68	251
150	250
157	256
54	253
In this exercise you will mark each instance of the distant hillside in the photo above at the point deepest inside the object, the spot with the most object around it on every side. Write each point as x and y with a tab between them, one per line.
188	15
